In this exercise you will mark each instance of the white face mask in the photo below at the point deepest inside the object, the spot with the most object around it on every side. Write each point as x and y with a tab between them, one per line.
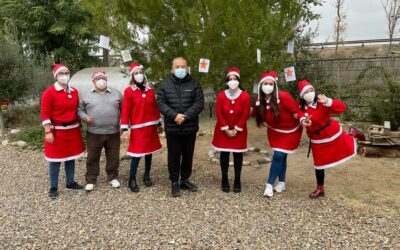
309	97
233	84
267	89
101	84
138	78
64	79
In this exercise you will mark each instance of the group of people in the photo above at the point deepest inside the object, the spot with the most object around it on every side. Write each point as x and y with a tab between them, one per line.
141	114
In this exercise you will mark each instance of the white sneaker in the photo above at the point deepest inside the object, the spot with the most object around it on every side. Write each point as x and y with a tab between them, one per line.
269	192
115	183
89	187
280	187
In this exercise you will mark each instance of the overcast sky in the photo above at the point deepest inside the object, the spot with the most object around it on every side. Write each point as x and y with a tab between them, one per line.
365	20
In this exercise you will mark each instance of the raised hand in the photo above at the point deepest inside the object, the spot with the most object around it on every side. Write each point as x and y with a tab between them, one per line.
322	99
306	122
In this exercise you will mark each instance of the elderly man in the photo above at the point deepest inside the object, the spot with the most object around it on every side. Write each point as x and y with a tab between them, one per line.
100	109
180	99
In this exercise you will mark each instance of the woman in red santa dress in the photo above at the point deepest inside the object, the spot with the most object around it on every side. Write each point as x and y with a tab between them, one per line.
140	113
230	133
277	110
63	140
329	144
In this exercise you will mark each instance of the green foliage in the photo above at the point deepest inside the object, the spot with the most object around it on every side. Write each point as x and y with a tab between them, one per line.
51	27
385	106
21	77
227	32
33	136
22	116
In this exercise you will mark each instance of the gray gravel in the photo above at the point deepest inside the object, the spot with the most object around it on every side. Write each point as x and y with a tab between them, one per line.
117	219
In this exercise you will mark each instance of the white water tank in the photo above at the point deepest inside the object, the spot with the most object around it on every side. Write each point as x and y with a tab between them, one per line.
117	78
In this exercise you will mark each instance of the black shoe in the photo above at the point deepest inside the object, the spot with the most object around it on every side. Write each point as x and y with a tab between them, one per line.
175	190
53	193
237	188
225	185
146	180
133	185
74	186
185	184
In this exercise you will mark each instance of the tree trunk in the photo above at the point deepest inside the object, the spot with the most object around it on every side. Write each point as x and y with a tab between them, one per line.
105	57
2	124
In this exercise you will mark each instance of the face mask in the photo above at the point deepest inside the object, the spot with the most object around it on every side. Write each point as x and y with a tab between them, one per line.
180	73
267	89
309	97
233	84
101	84
138	78
64	79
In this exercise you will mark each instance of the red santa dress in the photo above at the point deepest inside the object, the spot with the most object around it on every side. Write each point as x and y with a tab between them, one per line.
232	111
284	131
330	145
59	109
140	113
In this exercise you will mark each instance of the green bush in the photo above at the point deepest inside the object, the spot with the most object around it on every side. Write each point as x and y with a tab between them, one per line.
22	116
385	106
34	136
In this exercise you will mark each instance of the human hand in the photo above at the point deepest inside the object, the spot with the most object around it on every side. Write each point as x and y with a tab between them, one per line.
179	119
306	122
49	137
322	99
89	120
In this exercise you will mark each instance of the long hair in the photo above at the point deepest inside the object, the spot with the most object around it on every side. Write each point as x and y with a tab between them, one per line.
261	109
303	103
237	78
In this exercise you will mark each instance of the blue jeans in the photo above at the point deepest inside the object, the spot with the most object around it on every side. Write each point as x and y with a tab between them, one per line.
54	171
278	167
135	164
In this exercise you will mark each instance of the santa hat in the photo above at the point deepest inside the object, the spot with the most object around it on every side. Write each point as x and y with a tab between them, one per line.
133	67
99	74
303	86
58	68
268	76
233	71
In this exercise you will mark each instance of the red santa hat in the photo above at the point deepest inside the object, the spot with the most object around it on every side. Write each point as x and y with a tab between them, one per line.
233	71
303	86
268	76
133	67
99	74
58	68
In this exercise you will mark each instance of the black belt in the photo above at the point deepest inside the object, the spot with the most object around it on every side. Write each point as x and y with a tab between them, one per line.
316	132
64	124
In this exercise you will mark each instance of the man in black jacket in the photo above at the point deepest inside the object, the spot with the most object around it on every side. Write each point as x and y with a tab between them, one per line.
180	99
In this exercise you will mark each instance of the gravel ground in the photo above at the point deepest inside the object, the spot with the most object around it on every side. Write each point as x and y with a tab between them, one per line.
117	219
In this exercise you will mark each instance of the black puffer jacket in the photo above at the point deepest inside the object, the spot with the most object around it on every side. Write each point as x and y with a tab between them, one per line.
184	96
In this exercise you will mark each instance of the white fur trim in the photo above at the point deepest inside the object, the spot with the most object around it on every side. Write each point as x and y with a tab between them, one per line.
45	122
268	78
146	124
59	69
332	138
135	68
66	127
238	128
340	161
284	150
65	159
124	126
225	128
229	149
285	131
305	88
328	103
233	97
233	73
143	154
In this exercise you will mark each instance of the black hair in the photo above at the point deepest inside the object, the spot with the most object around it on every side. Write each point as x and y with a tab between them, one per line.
261	108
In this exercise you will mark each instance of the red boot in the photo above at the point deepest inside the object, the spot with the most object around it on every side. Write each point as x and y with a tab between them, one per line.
319	192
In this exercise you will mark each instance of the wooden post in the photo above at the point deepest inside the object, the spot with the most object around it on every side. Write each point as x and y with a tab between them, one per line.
105	57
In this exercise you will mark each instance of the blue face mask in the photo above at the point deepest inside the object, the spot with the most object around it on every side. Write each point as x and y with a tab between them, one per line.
180	73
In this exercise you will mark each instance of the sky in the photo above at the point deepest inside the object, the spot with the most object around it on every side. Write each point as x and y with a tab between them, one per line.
365	20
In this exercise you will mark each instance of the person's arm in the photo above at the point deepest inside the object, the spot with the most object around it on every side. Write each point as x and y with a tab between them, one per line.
335	106
126	108
166	110
198	105
82	109
45	116
220	117
245	114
